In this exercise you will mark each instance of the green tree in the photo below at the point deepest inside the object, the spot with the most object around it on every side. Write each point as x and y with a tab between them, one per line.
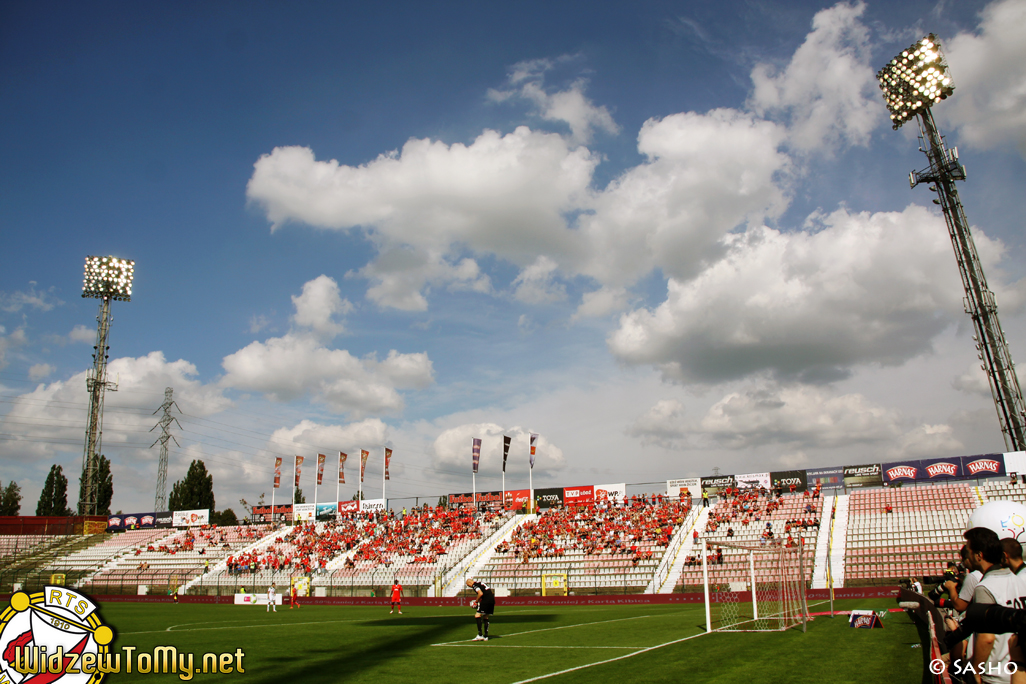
225	517
195	491
358	496
10	499
299	498
104	487
53	500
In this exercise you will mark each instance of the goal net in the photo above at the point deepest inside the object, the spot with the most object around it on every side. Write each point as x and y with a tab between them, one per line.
753	587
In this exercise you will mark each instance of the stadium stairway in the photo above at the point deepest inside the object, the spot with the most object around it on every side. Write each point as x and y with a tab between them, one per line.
472	564
839	540
672	563
822	560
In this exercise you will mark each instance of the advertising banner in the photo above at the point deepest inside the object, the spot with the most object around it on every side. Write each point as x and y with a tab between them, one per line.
342	456
299	468
753	481
786	478
190	518
465	500
490	500
138	521
869	475
277	472
364	455
611	492
263	513
576	496
984	465
901	471
827	477
320	468
327	511
1015	462
940	468
304	512
517	498
347	507
692	484
372	505
713	485
550	497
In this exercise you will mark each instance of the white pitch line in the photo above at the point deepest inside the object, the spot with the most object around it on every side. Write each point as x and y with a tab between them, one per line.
454	645
549	629
273	624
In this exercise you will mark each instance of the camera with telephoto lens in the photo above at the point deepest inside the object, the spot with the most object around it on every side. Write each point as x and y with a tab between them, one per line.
956	576
989	618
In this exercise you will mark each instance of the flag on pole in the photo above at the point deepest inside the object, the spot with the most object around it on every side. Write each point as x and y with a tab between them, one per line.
388	458
534	440
505	451
341	473
320	468
477	453
299	468
363	462
277	472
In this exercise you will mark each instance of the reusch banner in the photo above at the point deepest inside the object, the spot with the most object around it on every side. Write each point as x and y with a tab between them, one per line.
692	484
902	471
516	498
940	468
828	477
984	465
547	498
714	485
753	481
611	492
576	496
869	475
190	518
327	511
785	478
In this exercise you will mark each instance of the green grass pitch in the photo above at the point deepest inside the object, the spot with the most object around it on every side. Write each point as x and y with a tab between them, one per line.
662	643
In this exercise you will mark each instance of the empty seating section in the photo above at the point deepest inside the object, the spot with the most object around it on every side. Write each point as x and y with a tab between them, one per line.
603	547
12	545
746	517
158	558
1003	490
901	532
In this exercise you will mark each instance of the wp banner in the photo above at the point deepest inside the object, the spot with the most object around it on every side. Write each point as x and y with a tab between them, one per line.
753	481
692	484
785	479
190	518
611	492
869	475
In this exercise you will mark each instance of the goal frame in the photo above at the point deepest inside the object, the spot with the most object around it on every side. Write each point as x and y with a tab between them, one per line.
789	595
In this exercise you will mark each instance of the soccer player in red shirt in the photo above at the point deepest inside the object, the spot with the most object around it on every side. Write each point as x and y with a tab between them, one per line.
294	598
397	597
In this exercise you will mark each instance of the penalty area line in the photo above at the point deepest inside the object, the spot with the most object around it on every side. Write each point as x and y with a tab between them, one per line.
548	629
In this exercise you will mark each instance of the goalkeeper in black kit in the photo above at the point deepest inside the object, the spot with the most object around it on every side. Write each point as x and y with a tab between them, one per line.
484	606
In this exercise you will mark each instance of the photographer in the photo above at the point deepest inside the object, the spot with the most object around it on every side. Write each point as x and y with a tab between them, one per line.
997	586
959	597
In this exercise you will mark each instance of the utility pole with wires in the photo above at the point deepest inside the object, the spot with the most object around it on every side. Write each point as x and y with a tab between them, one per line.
160	502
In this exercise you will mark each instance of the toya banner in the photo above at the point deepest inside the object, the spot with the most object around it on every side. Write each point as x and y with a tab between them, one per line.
869	475
902	471
940	468
984	465
785	479
321	458
517	498
277	473
576	496
550	497
827	477
611	492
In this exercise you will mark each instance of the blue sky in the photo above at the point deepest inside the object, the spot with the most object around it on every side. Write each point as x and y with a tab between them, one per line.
664	236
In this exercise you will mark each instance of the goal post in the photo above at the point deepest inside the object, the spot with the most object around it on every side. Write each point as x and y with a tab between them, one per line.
756	587
554	584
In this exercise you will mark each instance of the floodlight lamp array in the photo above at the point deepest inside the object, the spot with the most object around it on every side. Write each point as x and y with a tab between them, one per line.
915	80
108	278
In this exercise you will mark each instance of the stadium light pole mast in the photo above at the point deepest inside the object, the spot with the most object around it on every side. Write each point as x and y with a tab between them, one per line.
912	83
107	279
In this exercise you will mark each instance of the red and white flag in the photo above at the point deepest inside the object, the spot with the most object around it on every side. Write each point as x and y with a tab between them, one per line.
341	462
277	472
320	468
299	468
364	455
388	459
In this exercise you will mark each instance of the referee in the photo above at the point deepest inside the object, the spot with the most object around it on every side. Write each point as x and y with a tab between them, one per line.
484	605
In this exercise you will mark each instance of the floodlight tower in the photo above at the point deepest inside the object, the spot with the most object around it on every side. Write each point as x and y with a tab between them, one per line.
912	83
107	279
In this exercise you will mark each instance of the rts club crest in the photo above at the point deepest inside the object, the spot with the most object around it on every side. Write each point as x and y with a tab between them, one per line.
52	636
